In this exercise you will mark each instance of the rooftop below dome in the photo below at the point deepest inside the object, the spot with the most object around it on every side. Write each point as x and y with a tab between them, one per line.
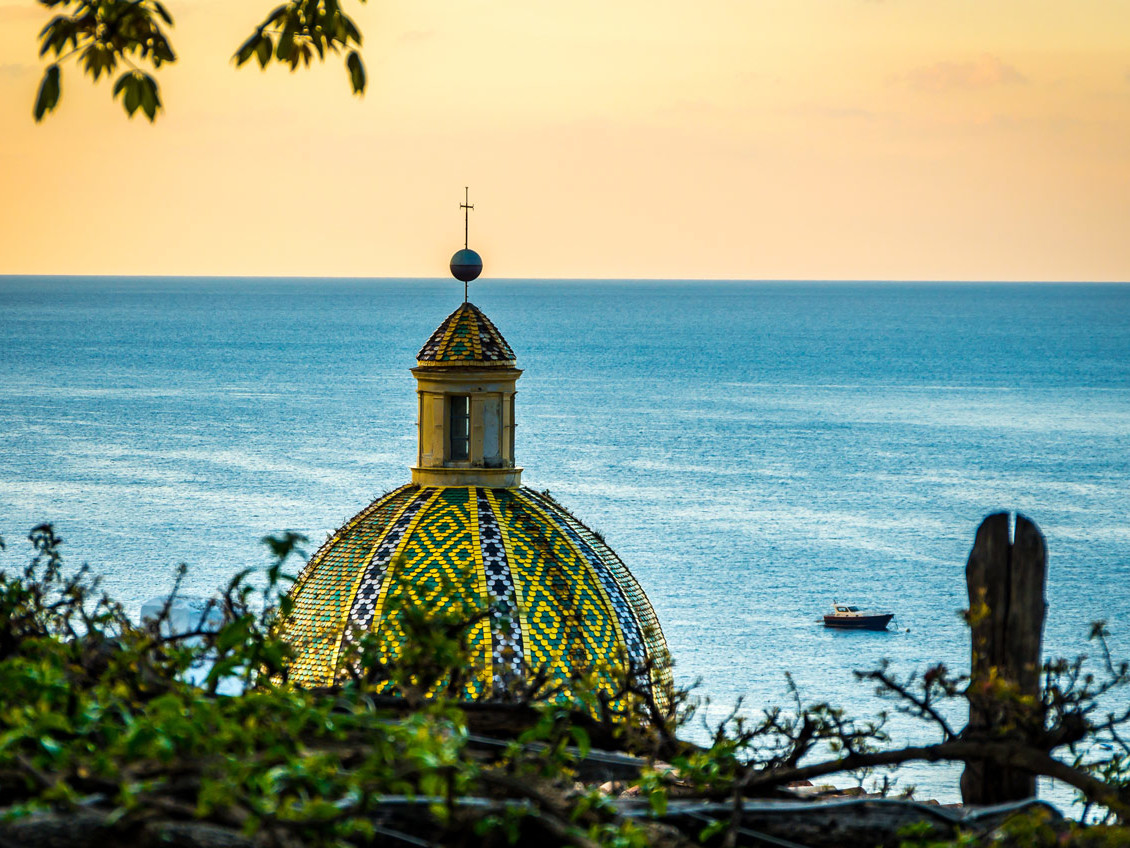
466	338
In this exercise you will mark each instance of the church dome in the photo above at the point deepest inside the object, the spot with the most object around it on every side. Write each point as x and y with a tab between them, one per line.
558	598
552	601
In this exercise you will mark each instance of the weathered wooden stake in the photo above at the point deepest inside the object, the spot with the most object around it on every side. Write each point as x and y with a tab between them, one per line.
1006	618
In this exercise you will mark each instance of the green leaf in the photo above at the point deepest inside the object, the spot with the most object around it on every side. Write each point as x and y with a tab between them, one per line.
581	738
162	52
97	59
129	86
285	46
163	12
150	101
247	49
356	72
133	95
55	34
48	96
263	50
712	830
276	14
351	31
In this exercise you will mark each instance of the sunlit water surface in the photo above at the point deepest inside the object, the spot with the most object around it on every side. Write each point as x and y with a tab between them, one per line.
750	449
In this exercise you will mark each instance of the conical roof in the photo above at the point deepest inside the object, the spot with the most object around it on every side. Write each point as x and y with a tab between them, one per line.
466	338
557	598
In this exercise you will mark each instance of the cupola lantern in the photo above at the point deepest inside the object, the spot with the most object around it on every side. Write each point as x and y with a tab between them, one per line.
465	388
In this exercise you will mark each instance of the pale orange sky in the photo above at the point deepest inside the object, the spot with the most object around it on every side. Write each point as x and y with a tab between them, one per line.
749	139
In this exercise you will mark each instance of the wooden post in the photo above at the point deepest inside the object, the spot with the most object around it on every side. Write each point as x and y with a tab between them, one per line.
1006	619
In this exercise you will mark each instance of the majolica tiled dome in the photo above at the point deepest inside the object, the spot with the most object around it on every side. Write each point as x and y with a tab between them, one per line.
557	595
466	338
466	534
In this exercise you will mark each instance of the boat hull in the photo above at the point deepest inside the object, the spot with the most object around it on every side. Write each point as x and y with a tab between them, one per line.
859	622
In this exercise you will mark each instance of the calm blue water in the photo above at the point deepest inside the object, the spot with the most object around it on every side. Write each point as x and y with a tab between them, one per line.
750	449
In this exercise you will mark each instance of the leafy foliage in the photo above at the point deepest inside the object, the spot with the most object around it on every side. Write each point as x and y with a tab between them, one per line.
102	35
295	31
99	713
1037	829
117	731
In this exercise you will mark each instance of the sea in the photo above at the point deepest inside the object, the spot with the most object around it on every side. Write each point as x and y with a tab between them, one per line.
752	450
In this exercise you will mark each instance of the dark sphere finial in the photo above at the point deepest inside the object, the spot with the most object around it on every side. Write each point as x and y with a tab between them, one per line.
466	265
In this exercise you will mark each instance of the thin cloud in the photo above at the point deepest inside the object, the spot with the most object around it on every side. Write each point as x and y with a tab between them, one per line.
416	35
12	70
818	110
984	72
698	106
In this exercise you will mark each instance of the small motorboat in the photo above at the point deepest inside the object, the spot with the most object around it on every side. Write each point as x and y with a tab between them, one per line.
846	615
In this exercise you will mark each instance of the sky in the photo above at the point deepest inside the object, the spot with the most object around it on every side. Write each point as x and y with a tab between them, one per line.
715	139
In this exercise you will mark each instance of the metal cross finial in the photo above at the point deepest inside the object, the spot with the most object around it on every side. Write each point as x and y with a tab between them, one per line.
466	265
466	206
